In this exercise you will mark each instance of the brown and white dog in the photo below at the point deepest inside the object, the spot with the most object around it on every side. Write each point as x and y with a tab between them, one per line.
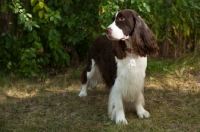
120	60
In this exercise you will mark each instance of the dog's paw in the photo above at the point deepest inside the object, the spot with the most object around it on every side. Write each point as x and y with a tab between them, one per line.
143	114
120	117
121	122
82	94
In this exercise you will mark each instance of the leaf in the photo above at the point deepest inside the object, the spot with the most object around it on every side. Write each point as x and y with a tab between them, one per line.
57	15
66	56
30	27
51	45
51	18
33	2
56	33
48	10
21	18
9	65
34	34
27	25
148	9
38	45
16	10
41	14
34	23
21	11
29	15
41	4
69	24
103	27
11	7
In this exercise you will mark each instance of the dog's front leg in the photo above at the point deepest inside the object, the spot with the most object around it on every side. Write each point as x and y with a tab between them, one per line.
139	106
115	106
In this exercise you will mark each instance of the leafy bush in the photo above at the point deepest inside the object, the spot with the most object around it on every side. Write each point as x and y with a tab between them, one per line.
40	34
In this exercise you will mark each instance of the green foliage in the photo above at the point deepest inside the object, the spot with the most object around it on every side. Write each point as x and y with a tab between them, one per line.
109	8
42	33
24	17
158	66
191	62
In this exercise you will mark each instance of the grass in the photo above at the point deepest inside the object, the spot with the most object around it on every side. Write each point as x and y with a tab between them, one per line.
171	92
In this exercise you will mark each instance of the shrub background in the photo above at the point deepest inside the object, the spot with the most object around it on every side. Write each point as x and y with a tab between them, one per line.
40	35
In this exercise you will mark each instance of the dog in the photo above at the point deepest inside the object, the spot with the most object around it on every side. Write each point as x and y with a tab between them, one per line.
119	59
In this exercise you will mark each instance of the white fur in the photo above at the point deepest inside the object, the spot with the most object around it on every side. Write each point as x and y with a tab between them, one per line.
128	87
93	78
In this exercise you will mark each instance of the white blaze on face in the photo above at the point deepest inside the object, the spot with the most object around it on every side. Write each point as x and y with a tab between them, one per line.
116	33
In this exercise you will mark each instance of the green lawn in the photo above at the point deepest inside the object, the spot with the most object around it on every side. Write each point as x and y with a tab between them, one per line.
172	94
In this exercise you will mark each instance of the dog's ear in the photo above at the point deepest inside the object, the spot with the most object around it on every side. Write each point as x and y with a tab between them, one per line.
119	49
143	39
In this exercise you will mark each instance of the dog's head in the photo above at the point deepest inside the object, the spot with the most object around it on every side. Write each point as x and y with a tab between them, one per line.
127	24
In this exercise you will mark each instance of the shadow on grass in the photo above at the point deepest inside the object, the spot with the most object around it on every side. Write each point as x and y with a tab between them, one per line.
65	111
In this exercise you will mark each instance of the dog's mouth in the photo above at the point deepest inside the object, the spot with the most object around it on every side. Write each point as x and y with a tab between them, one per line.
124	38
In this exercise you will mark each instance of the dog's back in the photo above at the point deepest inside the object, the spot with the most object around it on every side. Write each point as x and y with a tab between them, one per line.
102	55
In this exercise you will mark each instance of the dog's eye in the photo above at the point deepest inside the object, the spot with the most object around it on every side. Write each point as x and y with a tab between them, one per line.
121	18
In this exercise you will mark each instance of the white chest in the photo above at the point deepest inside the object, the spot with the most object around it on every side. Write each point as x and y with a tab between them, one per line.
130	76
131	66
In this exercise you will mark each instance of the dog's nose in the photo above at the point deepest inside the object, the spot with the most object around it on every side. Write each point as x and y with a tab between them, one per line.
108	31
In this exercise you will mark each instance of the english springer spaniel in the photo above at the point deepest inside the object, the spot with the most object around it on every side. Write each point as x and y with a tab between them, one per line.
120	60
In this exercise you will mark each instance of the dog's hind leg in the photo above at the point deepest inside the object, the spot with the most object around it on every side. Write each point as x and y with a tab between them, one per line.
90	78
